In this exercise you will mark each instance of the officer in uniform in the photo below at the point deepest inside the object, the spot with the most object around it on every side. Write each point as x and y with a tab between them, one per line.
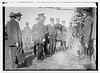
64	33
15	40
52	36
38	31
58	28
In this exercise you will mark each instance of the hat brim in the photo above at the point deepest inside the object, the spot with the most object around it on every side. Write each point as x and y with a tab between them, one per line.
11	15
18	15
52	20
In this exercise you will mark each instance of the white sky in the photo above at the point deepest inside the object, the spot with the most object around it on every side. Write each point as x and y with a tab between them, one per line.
30	13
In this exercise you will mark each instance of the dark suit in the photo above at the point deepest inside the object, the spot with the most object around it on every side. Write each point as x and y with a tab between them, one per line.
14	32
52	35
14	36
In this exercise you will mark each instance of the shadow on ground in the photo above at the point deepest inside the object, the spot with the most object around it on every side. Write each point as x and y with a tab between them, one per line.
29	57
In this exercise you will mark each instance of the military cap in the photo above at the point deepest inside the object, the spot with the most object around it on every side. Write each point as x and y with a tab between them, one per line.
17	14
52	19
63	21
37	19
27	23
11	14
41	14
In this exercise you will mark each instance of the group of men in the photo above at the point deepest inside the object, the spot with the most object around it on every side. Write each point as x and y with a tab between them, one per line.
48	35
44	37
47	39
87	31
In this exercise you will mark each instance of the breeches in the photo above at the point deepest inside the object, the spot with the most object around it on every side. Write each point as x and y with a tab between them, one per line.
52	45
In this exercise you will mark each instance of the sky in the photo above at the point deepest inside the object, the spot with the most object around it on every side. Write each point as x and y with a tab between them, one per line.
30	13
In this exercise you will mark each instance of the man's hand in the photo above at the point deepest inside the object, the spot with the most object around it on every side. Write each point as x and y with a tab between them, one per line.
17	44
86	45
43	40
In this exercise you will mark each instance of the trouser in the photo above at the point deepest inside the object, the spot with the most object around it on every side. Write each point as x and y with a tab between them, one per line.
35	50
90	48
52	45
46	45
17	57
40	50
12	52
94	47
64	44
46	50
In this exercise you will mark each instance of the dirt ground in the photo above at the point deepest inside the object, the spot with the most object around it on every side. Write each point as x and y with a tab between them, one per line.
60	60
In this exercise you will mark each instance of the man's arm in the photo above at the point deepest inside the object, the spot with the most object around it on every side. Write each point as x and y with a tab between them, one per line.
19	35
8	29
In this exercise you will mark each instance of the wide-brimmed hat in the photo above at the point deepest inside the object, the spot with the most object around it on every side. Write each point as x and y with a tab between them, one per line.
18	14
11	14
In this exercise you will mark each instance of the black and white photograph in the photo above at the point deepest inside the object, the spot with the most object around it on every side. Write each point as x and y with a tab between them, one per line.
50	38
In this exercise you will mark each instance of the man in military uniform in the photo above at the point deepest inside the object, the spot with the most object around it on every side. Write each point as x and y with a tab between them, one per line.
38	31
26	36
52	36
58	28
64	33
14	39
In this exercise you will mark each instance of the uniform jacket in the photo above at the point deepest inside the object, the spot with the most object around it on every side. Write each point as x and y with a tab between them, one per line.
38	31
58	28
50	29
64	33
14	32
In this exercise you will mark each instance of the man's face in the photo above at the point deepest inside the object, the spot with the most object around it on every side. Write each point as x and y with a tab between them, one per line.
27	24
37	21
52	22
18	18
63	23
